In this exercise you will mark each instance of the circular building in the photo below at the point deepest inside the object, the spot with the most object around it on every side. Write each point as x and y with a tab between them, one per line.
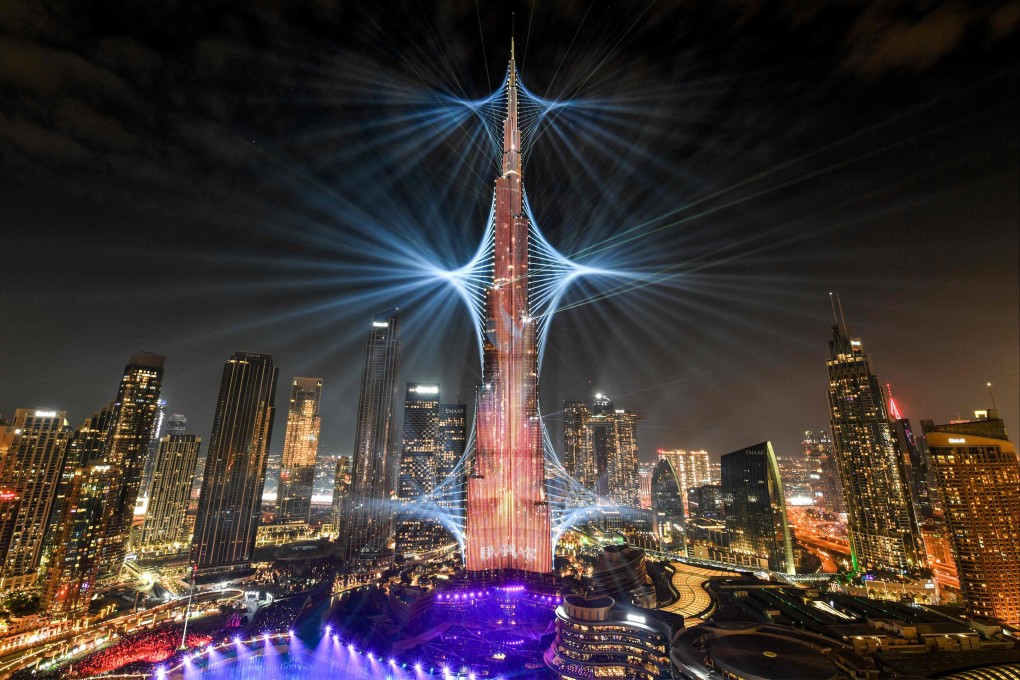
303	559
760	656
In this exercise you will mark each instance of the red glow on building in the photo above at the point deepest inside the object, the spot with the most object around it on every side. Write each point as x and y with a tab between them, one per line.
508	523
894	413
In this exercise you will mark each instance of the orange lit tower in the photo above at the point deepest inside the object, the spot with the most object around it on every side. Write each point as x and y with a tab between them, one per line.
508	523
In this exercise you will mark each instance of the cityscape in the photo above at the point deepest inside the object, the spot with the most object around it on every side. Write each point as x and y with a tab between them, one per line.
580	356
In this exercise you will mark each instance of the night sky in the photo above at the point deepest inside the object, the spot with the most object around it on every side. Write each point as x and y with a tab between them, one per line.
196	178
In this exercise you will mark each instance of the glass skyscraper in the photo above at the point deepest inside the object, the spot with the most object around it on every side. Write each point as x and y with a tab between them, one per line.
300	448
173	471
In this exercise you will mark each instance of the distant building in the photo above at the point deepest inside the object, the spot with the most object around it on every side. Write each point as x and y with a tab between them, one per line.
601	450
169	495
341	493
300	448
825	473
882	532
578	458
691	467
755	507
451	442
913	464
31	466
706	502
645	485
369	511
667	501
417	472
229	507
979	480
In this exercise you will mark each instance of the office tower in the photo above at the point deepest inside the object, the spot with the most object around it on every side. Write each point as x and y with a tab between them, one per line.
300	447
877	501
416	533
368	514
230	501
605	446
341	491
979	480
756	509
32	464
508	520
691	468
578	458
645	471
624	483
170	492
667	502
912	463
706	502
153	450
136	408
78	523
825	475
175	423
451	444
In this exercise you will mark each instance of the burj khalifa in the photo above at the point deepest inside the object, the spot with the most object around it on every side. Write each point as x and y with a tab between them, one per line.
508	522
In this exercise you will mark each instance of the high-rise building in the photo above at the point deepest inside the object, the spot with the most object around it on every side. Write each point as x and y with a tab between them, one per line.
369	514
235	474
451	444
913	464
136	409
706	502
419	454
645	471
300	447
508	518
341	491
578	456
158	426
979	480
32	465
882	535
667	502
175	423
824	472
756	510
78	524
692	469
170	492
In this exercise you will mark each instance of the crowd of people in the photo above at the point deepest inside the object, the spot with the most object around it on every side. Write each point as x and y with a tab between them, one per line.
154	646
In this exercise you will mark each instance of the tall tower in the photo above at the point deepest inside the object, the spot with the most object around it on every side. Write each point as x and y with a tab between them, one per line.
368	513
578	456
169	493
300	447
137	408
235	469
508	522
417	475
692	469
876	498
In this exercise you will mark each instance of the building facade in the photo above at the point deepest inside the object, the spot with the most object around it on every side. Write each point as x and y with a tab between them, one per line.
755	507
692	469
824	472
881	527
578	458
979	480
300	448
416	531
368	516
667	500
170	493
600	451
229	505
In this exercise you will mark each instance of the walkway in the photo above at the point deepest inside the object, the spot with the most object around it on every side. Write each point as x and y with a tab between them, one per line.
694	603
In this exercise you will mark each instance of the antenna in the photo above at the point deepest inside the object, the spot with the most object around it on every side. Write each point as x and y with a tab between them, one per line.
832	303
839	303
992	395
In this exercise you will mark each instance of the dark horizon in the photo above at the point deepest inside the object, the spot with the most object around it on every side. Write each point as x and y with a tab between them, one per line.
195	182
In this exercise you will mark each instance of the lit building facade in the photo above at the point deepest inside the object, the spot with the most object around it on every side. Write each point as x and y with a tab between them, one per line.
229	505
451	442
824	472
979	480
418	472
667	500
508	518
600	450
32	466
692	469
913	463
341	491
877	501
368	516
300	448
170	493
755	507
136	410
578	458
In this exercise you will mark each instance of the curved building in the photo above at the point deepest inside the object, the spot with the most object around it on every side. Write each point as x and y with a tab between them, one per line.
595	637
667	504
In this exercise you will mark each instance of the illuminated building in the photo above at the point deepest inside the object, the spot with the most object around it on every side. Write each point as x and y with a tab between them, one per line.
979	480
755	507
451	441
418	463
300	447
136	409
78	526
596	637
691	468
667	501
825	474
938	548
368	515
169	494
341	490
877	501
150	455
912	462
32	466
230	501
644	472
706	501
508	520
578	458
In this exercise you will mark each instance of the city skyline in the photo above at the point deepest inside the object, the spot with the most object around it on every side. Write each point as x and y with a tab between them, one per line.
898	232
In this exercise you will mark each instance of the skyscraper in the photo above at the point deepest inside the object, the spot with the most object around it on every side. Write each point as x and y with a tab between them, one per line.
756	510
136	408
979	480
818	451
300	447
578	455
601	450
170	492
341	491
78	524
508	520
235	474
605	449
692	469
32	465
368	516
416	533
667	504
175	423
912	463
150	455
876	498
451	443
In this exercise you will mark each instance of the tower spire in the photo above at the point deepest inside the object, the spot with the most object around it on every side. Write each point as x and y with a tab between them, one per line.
513	66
